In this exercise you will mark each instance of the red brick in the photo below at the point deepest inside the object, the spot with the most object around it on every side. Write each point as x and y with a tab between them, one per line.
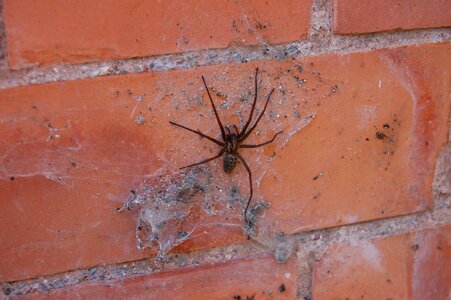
69	177
52	31
407	266
346	167
355	16
261	277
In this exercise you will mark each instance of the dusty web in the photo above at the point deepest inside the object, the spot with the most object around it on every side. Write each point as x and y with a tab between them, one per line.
175	206
117	138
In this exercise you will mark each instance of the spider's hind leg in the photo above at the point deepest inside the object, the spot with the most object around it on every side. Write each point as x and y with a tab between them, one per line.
250	185
262	144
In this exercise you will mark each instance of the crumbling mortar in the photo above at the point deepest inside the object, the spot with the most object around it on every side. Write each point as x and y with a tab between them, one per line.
3	52
315	45
321	19
308	247
112	272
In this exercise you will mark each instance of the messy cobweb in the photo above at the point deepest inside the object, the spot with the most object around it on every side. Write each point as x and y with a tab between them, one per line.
173	207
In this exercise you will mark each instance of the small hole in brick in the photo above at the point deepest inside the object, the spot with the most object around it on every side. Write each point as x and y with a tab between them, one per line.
282	288
380	135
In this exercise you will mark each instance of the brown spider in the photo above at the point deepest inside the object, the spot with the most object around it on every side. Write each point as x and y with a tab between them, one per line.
232	141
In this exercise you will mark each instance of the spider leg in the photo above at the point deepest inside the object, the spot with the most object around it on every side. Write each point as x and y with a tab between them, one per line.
199	133
250	183
242	138
214	109
252	109
206	160
262	144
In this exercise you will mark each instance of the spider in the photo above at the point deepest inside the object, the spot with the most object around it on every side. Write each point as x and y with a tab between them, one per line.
233	140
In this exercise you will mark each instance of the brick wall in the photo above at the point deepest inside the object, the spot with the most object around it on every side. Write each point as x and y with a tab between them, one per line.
351	201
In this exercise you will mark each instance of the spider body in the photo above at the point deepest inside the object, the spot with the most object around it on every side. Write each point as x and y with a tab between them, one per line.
230	161
231	147
232	141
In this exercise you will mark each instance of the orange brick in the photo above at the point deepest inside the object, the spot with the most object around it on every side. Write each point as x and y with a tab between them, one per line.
354	16
52	31
371	149
261	277
72	152
407	266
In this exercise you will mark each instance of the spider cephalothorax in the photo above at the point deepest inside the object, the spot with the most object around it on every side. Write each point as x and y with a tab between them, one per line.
233	140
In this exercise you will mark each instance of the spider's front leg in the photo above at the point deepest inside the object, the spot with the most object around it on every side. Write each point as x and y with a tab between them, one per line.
246	134
243	131
199	133
206	160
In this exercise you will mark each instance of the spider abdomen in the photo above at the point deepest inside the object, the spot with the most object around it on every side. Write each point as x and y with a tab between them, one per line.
229	162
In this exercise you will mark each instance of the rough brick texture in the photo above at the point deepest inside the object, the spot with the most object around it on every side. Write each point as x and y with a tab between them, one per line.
370	151
52	31
409	266
361	135
350	199
260	277
355	16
